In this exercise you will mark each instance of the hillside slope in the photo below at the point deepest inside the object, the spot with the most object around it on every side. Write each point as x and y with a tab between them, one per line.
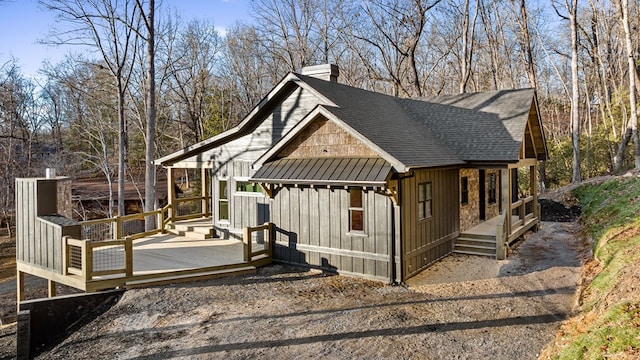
608	321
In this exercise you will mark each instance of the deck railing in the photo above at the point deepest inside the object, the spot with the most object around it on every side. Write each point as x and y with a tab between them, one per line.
90	259
118	227
191	207
258	241
521	211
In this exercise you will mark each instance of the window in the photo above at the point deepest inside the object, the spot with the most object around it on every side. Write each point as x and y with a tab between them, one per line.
356	211
464	190
223	201
424	201
247	187
492	188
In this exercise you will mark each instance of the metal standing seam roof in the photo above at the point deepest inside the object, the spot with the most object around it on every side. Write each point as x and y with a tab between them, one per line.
325	171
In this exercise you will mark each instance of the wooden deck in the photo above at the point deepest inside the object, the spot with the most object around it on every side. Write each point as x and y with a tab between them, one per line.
156	259
168	252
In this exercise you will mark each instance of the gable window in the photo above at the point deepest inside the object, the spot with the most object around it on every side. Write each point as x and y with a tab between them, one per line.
244	187
491	188
356	211
464	190
223	201
424	201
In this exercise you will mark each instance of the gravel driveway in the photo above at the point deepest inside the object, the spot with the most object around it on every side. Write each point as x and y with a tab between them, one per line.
463	307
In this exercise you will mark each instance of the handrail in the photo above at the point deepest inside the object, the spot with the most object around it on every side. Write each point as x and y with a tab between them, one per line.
193	198
162	221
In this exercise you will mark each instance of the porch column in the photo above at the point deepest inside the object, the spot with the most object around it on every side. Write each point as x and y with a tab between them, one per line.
171	193
533	187
204	190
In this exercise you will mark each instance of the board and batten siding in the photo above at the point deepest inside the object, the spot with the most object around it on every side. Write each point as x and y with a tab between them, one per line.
312	228
38	241
284	115
425	241
244	209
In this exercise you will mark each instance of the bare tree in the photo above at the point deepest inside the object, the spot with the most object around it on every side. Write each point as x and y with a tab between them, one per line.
150	138
468	42
388	39
110	27
572	10
632	126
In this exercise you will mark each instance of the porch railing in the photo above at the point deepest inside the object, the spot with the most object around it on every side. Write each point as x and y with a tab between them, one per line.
118	227
521	211
258	241
191	207
90	259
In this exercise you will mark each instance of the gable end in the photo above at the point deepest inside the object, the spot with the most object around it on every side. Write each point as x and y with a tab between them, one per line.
324	138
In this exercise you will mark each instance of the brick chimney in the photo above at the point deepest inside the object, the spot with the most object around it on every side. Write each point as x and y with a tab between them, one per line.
326	72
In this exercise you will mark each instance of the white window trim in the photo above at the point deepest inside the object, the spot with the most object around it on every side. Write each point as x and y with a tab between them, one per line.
222	221
363	232
238	179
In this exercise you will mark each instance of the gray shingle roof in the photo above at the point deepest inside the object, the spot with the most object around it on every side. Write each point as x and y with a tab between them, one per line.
435	131
383	120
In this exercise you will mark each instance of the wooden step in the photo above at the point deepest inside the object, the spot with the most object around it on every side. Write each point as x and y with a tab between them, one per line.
468	252
481	242
475	246
477	236
198	235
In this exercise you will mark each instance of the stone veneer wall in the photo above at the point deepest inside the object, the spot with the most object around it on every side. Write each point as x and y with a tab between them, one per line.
469	213
65	206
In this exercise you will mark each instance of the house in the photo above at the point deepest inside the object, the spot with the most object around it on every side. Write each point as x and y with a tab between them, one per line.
371	185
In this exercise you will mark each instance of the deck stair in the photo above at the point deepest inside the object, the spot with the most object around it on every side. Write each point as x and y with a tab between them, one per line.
476	244
198	231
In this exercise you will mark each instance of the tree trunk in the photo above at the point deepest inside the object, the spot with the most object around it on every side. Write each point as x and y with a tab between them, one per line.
575	93
122	135
632	126
150	170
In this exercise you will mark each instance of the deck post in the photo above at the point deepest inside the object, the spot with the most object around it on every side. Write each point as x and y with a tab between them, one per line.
171	193
271	237
505	192
500	240
160	220
51	288
533	185
117	234
19	287
65	256
204	191
128	256
87	260
246	238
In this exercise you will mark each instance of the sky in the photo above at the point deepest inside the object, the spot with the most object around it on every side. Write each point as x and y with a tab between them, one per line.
24	22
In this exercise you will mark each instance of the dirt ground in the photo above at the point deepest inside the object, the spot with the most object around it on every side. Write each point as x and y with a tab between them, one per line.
463	307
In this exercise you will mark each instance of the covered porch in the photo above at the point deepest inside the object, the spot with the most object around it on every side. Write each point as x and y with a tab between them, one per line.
519	212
